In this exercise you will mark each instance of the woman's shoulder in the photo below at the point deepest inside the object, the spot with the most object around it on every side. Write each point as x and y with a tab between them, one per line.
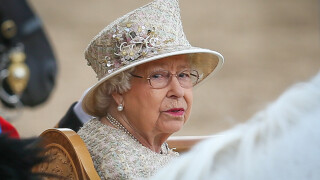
105	147
94	131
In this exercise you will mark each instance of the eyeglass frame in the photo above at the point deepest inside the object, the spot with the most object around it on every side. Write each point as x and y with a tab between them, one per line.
170	78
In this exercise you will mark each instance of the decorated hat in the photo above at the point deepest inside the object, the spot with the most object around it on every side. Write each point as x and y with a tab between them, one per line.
148	33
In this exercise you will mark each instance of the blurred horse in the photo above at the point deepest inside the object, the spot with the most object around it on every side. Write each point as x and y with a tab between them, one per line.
280	142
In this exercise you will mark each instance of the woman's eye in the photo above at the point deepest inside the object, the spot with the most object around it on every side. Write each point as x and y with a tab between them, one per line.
158	75
184	75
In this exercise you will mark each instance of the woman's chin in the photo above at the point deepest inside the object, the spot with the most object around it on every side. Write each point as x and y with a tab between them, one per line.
172	127
169	123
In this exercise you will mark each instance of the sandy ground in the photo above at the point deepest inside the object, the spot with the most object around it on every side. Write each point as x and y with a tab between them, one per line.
267	45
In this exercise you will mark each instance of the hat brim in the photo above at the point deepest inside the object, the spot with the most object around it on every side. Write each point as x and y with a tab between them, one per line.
206	61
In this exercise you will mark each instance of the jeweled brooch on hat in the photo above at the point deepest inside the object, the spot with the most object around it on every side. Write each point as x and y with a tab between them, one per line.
129	42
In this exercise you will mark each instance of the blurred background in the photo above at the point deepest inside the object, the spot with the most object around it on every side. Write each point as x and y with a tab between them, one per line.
268	46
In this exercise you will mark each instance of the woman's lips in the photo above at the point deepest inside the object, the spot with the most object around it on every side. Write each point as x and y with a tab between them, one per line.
176	111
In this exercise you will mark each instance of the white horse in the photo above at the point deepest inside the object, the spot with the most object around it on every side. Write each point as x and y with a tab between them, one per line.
280	142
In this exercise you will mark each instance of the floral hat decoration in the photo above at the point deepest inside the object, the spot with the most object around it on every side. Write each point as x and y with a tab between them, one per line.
149	33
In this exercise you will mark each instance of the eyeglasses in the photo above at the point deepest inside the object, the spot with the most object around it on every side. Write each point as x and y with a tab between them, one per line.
160	79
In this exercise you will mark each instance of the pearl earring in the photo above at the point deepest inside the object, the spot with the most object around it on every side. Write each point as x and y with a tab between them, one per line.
120	107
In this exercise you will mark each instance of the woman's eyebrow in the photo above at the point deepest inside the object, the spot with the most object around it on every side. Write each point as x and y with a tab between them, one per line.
185	66
154	69
164	66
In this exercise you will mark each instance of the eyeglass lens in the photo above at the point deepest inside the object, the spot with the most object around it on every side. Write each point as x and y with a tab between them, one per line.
186	78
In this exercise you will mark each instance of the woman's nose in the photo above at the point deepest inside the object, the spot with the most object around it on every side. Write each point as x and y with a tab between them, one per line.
175	89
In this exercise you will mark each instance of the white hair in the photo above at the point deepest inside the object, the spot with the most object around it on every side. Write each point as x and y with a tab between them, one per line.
280	142
119	83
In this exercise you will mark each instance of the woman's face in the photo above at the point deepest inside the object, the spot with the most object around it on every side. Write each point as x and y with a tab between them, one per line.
163	110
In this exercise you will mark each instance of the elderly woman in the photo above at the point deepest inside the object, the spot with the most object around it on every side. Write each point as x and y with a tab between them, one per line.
146	70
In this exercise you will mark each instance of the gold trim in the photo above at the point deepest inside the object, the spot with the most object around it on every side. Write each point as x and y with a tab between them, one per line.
8	29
